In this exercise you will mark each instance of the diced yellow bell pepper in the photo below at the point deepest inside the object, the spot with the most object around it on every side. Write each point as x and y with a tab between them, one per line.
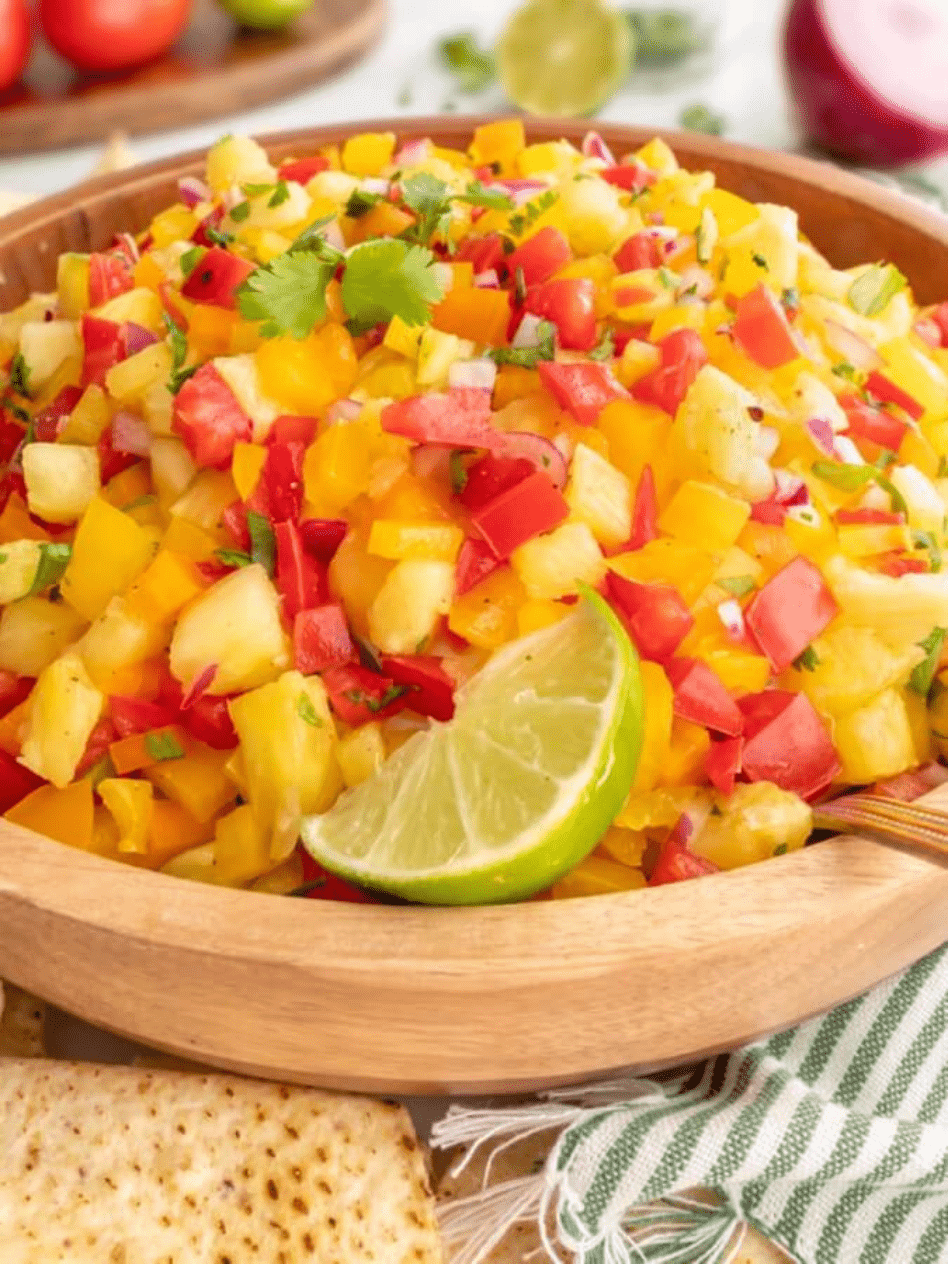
197	781
110	550
64	709
658	700
367	153
477	314
130	802
666	561
383	220
866	539
738	670
72	285
597	875
916	450
439	542
637	435
169	583
731	211
65	814
498	142
684	764
487	614
246	466
305	376
177	223
241	848
771	546
188	540
704	515
813	536
539	612
918	375
148	273
625	845
402	338
361	753
336	466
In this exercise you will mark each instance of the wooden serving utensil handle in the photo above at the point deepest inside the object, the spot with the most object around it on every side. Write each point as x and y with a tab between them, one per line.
917	825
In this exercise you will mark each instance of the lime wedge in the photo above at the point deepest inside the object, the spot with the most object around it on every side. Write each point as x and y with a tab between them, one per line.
516	789
563	57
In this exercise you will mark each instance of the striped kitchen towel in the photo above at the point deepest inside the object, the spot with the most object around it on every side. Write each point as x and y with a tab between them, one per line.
830	1138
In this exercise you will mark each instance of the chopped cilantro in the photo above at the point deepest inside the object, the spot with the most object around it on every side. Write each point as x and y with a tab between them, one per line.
388	277
848	478
921	678
471	65
737	585
605	348
790	298
189	261
163	745
53	560
871	292
307	712
477	194
701	118
288	295
809	660
361	202
240	212
429	198
262	543
846	370
216	237
780	849
281	194
895	496
20	374
179	353
925	540
232	557
668	278
255	190
532	212
312	238
761	262
942	467
528	357
458	471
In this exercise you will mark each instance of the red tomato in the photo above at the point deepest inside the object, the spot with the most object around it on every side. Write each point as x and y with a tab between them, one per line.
529	508
11	436
540	256
940	317
303	170
217	278
873	424
48	423
321	639
322	536
789	611
898	564
786	742
644	250
97	747
13	690
476	561
283	480
490	476
109	276
112	462
654	615
484	254
208	719
293	430
299	576
431	688
761	328
683	354
570	304
887	392
631	176
234	521
209	419
211	220
136	715
882	517
769	512
701	698
723	763
582	389
100	35
458	419
16	782
676	861
323	885
358	695
103	347
644	511
15	39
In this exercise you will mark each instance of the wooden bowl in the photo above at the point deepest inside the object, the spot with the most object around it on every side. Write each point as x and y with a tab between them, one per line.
422	1000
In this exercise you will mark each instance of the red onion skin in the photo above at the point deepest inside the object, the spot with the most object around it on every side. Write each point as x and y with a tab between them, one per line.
838	110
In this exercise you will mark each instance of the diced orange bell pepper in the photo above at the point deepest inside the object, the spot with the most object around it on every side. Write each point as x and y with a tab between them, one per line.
172	830
246	466
165	586
148	273
383	220
684	763
658	698
65	815
498	142
140	680
480	315
512	383
211	331
305	376
197	781
487	614
110	550
131	485
16	523
597	875
132	754
187	539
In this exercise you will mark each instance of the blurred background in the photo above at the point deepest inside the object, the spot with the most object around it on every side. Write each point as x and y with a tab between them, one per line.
867	77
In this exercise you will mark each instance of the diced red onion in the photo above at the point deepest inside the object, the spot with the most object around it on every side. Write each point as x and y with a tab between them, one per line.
766	441
412	153
846	451
191	190
343	410
332	235
732	617
130	246
928	331
595	147
488	280
822	434
137	337
855	350
791	489
480	374
130	434
546	456
528	334
520	191
374	184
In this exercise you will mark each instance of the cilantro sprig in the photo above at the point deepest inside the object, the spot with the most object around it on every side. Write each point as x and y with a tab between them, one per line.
179	353
388	277
288	296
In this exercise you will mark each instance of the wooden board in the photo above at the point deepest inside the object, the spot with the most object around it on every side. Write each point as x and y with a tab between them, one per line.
486	999
214	70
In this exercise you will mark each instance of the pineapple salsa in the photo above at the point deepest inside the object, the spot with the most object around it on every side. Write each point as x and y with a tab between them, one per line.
285	470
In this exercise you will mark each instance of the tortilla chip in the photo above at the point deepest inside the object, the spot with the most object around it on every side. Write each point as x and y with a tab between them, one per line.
114	1164
522	1241
21	1023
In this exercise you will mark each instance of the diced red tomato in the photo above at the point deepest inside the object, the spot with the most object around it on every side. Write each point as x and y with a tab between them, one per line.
208	720
790	611
49	421
676	861
898	564
283	480
358	695
109	276
540	256
882	517
654	615
217	278
582	389
761	328
701	698
12	483
911	785
723	763
103	348
643	250
770	512
476	561
234	520
303	169
293	430
13	690
197	688
209	419
490	476
879	386
324	885
137	715
431	689
484	254
300	578
170	691
786	742
212	220
631	176
321	639
940	317
322	536
570	303
167	295
683	354
16	782
112	462
529	508
101	738
875	425
12	434
460	418
644	511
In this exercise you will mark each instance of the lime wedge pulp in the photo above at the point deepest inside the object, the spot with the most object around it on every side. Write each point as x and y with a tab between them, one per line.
513	792
564	58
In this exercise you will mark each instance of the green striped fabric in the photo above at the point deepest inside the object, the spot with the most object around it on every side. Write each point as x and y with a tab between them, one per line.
831	1138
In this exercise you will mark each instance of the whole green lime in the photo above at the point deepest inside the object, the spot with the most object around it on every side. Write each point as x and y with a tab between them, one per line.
265	15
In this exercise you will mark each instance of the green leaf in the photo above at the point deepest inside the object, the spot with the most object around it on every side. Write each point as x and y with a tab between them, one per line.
232	557
472	66
429	198
162	746
921	678
179	353
262	543
458	472
240	212
925	540
895	496
388	277
846	370
942	467
288	296
255	190
311	238
848	478
20	375
809	660
701	118
54	558
361	202
188	262
737	585
790	297
871	292
605	349
528	357
281	194
478	194
217	237
307	712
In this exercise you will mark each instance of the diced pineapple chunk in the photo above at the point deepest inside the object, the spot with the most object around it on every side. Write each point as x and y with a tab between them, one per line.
117	639
44	346
64	709
110	550
294	207
903	611
240	850
88	419
72	284
141	306
130	380
19	561
238	160
131	802
288	741
61	480
361	753
554	565
772	237
172	469
599	495
877	740
595	216
437	351
407	607
35	631
715	423
241	374
35	309
205	499
810	398
756	822
704	515
926	509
